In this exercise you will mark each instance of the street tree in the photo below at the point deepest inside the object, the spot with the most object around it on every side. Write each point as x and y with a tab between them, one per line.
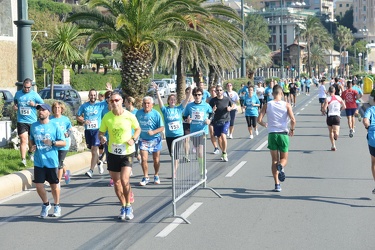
345	38
257	55
256	28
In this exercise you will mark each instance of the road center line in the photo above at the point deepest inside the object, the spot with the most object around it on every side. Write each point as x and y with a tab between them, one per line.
261	146
173	225
236	168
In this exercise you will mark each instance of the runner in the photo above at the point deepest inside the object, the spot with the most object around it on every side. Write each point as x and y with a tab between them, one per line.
206	94
150	139
286	91
242	97
119	124
322	95
251	105
350	97
268	91
211	127
58	108
45	139
89	114
25	102
293	92
358	101
221	106
259	89
334	104
307	85
369	123
278	115
233	96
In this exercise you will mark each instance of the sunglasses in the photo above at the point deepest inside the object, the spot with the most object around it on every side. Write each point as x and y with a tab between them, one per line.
197	94
219	90
115	100
27	87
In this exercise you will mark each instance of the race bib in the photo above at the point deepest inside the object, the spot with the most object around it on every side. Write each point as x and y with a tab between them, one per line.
118	149
174	125
25	111
92	125
197	116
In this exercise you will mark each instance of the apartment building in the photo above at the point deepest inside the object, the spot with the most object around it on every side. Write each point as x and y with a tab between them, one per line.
342	6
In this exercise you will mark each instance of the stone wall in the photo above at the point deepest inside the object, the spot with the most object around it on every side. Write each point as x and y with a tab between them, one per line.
8	68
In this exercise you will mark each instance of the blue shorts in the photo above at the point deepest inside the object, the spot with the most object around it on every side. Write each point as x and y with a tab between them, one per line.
371	150
221	129
350	112
322	100
92	138
152	146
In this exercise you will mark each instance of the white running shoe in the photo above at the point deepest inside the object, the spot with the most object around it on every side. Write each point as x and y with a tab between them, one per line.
251	136
230	136
89	173
256	132
100	167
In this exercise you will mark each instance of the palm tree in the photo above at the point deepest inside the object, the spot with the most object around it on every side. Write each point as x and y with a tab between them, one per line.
345	38
257	55
139	27
317	56
62	48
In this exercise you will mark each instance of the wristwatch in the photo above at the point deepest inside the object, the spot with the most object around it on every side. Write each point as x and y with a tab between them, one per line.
53	143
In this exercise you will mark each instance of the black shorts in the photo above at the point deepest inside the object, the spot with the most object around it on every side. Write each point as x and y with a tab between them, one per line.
333	120
371	150
186	127
116	162
23	127
232	117
177	148
197	140
45	174
62	155
136	149
251	121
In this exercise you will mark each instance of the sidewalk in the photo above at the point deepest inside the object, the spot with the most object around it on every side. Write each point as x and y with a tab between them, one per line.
21	181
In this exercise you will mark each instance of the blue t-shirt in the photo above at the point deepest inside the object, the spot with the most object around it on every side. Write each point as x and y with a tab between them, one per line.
244	89
248	103
268	93
205	95
308	82
199	113
149	121
65	124
92	112
359	90
46	156
25	112
134	112
173	121
302	81
370	114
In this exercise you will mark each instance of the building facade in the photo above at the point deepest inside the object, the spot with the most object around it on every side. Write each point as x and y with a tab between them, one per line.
8	44
342	6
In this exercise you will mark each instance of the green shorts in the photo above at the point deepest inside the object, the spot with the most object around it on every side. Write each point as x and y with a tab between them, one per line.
278	141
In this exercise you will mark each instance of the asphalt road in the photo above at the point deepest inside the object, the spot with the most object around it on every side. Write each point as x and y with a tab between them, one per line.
326	202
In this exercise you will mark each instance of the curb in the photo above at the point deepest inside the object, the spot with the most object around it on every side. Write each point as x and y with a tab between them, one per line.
15	183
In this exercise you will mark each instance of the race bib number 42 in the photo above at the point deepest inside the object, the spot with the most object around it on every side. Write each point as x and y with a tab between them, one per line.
25	111
118	149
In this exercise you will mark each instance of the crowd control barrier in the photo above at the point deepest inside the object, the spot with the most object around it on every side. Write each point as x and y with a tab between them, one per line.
188	167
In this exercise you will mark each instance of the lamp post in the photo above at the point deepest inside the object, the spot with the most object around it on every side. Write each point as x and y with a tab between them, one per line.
243	66
24	54
331	55
282	38
360	60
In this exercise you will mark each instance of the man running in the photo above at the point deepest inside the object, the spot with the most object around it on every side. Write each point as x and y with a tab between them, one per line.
278	115
350	97
119	124
221	106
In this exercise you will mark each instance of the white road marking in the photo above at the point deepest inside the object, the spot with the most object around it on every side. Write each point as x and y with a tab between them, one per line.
235	169
17	195
297	114
302	109
173	225
262	145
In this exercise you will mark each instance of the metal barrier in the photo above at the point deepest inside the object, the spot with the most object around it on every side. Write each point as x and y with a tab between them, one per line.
188	167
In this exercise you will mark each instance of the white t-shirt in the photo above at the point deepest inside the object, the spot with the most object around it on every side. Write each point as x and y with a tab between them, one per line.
322	91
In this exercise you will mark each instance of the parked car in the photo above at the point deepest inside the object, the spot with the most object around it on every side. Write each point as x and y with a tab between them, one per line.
8	99
64	93
171	84
162	86
258	79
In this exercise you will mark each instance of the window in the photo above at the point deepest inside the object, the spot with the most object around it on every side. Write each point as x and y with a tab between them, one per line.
347	5
340	5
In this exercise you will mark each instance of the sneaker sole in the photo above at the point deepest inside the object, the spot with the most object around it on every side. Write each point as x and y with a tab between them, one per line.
281	174
88	175
129	217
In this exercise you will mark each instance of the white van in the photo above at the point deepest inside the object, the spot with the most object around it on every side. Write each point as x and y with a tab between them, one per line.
171	84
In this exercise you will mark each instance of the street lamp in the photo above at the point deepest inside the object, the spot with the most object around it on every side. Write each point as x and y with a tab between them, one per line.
330	21
282	38
360	59
243	67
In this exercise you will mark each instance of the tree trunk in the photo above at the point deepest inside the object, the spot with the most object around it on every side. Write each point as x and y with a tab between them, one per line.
181	80
196	75
53	78
211	76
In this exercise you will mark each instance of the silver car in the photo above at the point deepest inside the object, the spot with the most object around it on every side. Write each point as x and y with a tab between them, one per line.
163	87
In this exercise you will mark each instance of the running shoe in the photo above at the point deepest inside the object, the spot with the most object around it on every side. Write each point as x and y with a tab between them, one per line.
67	176
373	191
24	162
186	159
281	172
122	213
100	167
89	173
359	117
56	211
31	155
194	150
333	148
277	188
44	212
111	184
256	132
230	136
251	136
144	181
131	197
156	179
216	151
129	213
224	157
351	133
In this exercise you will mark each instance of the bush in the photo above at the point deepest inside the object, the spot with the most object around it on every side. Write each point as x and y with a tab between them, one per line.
1	108
87	80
